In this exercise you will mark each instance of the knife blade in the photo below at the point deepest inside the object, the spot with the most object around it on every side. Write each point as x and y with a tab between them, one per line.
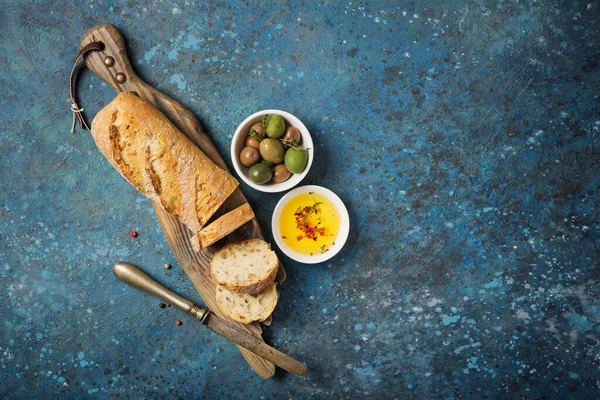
135	277
258	347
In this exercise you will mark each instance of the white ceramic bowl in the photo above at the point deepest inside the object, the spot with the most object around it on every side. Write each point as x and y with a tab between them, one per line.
339	241
237	144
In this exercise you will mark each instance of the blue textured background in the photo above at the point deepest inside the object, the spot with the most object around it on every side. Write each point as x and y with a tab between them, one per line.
473	273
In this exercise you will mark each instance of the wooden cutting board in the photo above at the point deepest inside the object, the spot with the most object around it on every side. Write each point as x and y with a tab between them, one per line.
195	265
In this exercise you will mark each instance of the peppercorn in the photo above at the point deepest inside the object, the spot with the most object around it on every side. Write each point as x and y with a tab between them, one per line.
178	322
162	305
133	234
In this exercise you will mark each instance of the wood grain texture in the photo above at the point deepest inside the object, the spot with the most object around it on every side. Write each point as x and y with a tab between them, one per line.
195	264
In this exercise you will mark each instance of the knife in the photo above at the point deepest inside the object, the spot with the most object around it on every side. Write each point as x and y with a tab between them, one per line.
135	277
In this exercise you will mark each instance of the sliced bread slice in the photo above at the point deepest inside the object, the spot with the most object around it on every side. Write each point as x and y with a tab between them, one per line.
247	308
246	267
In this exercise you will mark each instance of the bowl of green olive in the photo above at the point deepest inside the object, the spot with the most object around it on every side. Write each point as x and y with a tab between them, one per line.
272	151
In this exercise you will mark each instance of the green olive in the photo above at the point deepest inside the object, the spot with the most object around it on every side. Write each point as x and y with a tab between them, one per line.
272	150
249	156
260	173
275	126
292	133
281	173
296	159
252	142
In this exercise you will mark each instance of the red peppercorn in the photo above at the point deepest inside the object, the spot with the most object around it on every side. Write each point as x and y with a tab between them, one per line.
133	234
193	60
168	305
178	323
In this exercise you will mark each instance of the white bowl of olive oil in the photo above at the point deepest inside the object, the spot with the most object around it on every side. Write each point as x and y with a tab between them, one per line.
310	224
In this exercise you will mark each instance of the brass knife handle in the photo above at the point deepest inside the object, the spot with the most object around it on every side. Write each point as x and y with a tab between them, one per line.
133	276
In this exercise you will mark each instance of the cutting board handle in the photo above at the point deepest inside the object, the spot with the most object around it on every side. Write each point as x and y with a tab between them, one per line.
112	60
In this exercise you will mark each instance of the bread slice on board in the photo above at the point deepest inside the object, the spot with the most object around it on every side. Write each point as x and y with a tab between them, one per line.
161	162
245	267
246	308
222	226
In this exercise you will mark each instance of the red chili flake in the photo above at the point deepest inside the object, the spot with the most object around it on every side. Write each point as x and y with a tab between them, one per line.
178	322
133	234
193	60
284	237
299	238
305	222
168	305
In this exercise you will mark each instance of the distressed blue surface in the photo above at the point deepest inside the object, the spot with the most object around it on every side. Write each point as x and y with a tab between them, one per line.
472	273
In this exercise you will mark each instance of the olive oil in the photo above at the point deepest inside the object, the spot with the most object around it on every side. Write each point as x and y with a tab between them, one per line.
309	224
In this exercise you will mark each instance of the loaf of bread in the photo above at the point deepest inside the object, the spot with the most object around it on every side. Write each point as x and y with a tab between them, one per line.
162	163
245	267
247	308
